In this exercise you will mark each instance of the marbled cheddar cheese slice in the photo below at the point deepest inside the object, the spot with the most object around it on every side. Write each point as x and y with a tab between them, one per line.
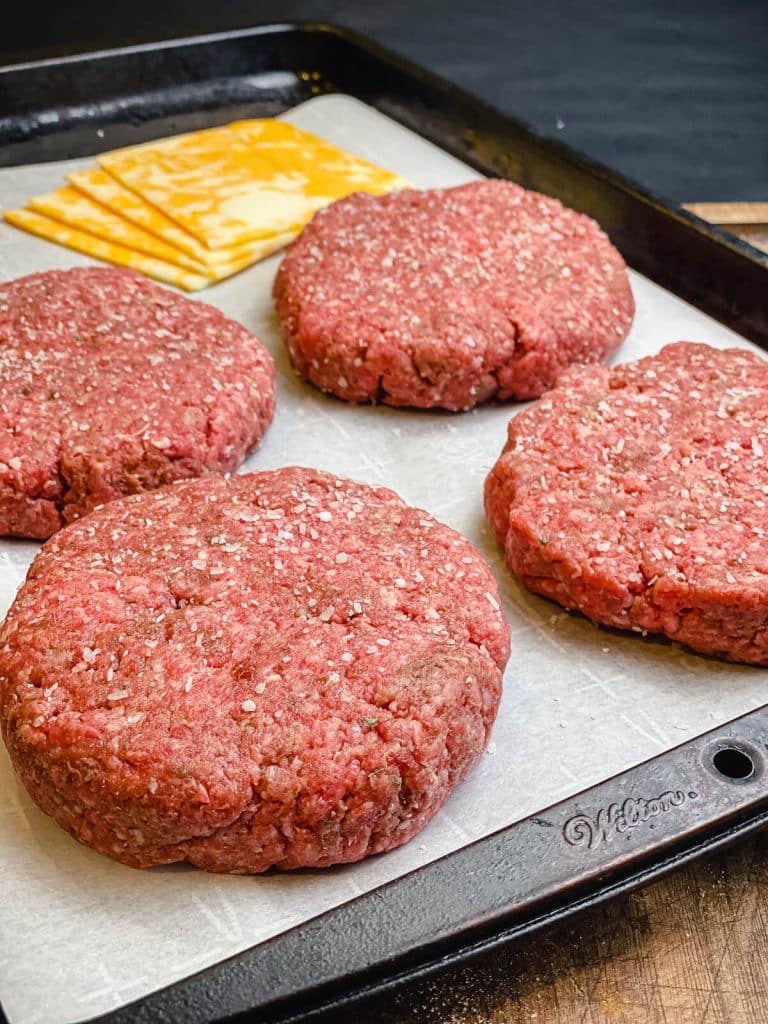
246	181
109	192
76	210
71	207
81	241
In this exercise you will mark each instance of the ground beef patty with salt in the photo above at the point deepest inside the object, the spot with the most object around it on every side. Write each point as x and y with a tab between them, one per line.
110	385
449	298
277	669
639	496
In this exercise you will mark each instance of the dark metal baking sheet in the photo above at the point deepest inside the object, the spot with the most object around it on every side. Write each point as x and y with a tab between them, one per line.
620	833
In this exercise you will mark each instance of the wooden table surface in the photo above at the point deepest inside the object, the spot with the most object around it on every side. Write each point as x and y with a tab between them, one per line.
688	949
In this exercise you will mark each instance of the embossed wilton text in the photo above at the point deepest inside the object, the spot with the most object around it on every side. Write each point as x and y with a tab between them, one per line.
619	818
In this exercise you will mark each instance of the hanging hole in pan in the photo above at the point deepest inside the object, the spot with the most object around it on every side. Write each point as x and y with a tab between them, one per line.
733	763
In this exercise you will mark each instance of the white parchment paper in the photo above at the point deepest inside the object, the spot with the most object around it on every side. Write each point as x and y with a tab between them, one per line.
79	934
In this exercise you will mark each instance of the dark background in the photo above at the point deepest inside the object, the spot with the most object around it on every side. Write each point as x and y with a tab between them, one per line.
673	94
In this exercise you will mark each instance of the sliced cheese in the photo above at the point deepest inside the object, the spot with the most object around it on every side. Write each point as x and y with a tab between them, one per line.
90	245
109	192
248	180
69	206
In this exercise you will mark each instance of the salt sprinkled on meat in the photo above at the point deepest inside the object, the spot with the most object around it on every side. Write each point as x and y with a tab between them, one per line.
449	297
597	512
106	389
216	718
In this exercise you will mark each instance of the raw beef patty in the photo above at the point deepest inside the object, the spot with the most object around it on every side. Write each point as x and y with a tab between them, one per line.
451	297
277	669
110	385
639	496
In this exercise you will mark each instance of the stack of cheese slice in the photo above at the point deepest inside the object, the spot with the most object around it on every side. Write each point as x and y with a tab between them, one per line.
197	208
